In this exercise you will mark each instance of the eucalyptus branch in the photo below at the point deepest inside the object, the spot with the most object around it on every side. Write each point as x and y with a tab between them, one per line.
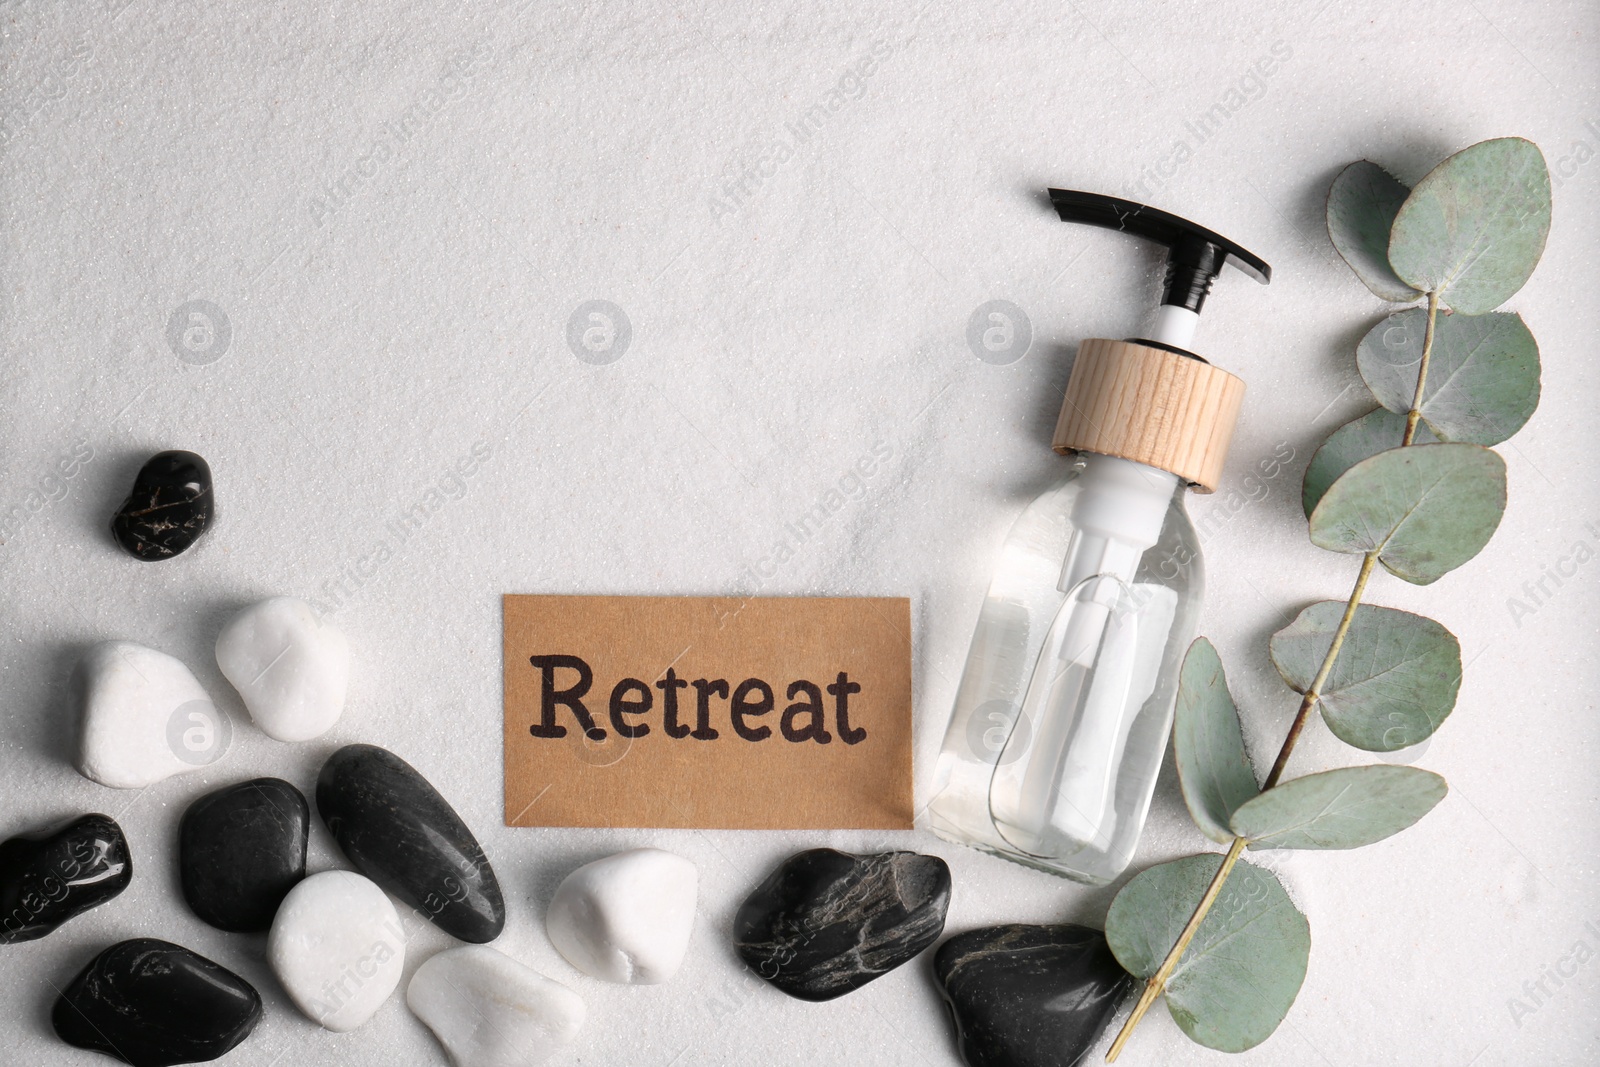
1157	982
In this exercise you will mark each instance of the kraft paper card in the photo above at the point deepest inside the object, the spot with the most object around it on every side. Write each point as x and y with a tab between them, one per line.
708	712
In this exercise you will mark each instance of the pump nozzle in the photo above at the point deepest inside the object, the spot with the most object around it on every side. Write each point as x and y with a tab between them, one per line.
1151	399
1195	254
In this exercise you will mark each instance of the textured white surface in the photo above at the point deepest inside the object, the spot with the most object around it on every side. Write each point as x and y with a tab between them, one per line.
626	918
290	668
400	430
489	1010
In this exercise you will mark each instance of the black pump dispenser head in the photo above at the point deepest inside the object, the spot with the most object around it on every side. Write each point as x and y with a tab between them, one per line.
1195	255
1150	399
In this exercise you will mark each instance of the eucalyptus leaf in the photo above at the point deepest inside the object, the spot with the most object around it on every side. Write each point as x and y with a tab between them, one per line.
1346	808
1361	207
1474	228
1213	770
1243	969
1483	372
1425	509
1377	431
1395	679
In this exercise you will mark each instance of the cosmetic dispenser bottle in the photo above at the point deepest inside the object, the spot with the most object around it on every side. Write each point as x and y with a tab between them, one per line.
1065	704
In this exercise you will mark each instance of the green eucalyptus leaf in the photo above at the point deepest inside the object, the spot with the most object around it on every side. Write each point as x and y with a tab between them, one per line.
1346	808
1483	372
1474	228
1243	969
1395	679
1425	510
1361	207
1213	770
1374	432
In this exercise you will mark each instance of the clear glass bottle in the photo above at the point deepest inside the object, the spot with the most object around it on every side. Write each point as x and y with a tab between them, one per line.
999	782
1061	721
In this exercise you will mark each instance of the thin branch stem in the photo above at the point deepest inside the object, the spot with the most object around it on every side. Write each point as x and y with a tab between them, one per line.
1415	414
1314	693
1157	983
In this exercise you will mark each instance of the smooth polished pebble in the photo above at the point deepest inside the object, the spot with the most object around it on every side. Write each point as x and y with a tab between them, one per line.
398	831
338	948
826	922
143	717
241	849
626	918
488	1010
152	1003
171	504
291	669
1029	996
51	875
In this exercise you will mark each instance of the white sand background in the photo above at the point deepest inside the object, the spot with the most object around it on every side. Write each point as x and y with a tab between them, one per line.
393	210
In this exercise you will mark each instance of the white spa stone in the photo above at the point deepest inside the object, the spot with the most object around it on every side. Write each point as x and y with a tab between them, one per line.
143	717
626	918
488	1010
291	668
338	948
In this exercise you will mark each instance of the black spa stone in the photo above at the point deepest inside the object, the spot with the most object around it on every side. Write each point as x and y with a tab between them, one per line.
397	830
50	875
152	1003
1029	996
240	850
169	507
826	923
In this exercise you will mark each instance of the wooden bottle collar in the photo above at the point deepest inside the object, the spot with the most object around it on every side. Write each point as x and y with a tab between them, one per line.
1151	405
